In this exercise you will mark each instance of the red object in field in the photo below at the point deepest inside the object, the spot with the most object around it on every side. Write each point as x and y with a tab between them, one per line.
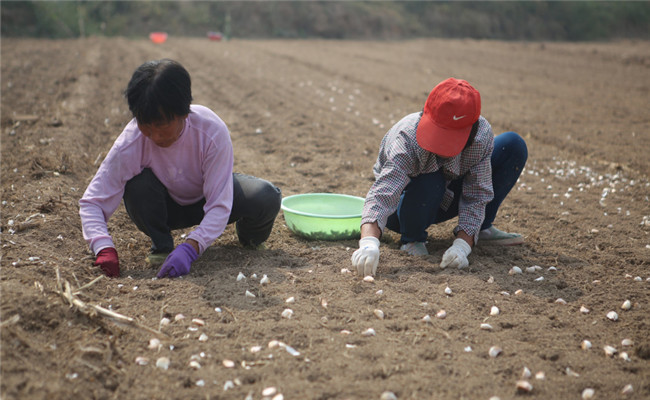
158	37
215	35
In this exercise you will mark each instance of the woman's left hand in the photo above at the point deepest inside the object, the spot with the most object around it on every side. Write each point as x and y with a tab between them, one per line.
179	261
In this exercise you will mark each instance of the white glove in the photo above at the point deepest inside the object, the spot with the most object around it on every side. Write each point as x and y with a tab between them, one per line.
366	258
456	255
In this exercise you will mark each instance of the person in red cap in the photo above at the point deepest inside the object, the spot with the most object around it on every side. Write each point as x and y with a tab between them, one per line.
435	165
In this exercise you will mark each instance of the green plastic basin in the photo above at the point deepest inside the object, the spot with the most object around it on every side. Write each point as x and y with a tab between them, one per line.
323	216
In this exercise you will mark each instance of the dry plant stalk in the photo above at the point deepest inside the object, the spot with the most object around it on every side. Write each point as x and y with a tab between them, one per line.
92	310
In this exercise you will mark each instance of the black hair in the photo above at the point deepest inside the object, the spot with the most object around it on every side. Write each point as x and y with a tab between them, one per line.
159	91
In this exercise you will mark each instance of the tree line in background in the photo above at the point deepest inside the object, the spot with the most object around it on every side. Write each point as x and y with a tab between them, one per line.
505	20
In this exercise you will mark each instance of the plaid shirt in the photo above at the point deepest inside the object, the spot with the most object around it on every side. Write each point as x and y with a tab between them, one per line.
400	158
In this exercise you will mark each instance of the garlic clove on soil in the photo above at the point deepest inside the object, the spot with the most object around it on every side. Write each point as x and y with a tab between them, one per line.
388	396
514	270
154	344
588	393
524	387
609	350
486	327
495	351
163	363
627	389
141	360
369	332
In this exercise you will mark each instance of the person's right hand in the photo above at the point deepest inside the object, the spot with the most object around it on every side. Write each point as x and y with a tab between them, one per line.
366	258
456	255
108	262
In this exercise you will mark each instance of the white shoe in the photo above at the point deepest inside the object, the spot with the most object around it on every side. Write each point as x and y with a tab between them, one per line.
415	248
494	237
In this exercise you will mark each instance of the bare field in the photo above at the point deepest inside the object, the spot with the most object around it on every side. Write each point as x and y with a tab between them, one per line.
309	116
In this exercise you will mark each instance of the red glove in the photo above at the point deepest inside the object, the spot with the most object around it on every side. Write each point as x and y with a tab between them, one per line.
108	262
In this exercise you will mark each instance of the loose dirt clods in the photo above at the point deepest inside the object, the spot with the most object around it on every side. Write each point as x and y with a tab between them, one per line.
581	204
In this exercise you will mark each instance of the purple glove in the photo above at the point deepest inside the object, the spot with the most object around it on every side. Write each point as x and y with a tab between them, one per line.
178	262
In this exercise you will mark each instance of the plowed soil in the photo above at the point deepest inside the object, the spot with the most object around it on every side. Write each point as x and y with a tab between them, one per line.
309	116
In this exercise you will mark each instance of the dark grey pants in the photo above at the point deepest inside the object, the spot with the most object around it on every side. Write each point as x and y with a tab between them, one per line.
256	203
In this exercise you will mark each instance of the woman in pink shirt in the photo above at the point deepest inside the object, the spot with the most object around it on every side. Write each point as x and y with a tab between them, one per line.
173	167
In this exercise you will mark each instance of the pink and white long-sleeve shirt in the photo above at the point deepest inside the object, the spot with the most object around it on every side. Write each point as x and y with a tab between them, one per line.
197	165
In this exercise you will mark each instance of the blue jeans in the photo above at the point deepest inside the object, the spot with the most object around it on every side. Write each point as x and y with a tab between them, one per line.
256	203
419	206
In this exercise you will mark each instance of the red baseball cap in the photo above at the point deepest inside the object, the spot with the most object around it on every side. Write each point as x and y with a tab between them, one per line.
451	109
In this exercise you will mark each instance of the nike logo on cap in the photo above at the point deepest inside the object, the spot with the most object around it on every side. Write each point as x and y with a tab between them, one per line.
457	118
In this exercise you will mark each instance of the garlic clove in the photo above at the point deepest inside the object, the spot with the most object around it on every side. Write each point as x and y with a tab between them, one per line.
163	363
514	270
628	389
609	350
524	387
369	332
627	304
494	351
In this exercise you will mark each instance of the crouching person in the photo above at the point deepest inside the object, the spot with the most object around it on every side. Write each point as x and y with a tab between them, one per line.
435	165
173	167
